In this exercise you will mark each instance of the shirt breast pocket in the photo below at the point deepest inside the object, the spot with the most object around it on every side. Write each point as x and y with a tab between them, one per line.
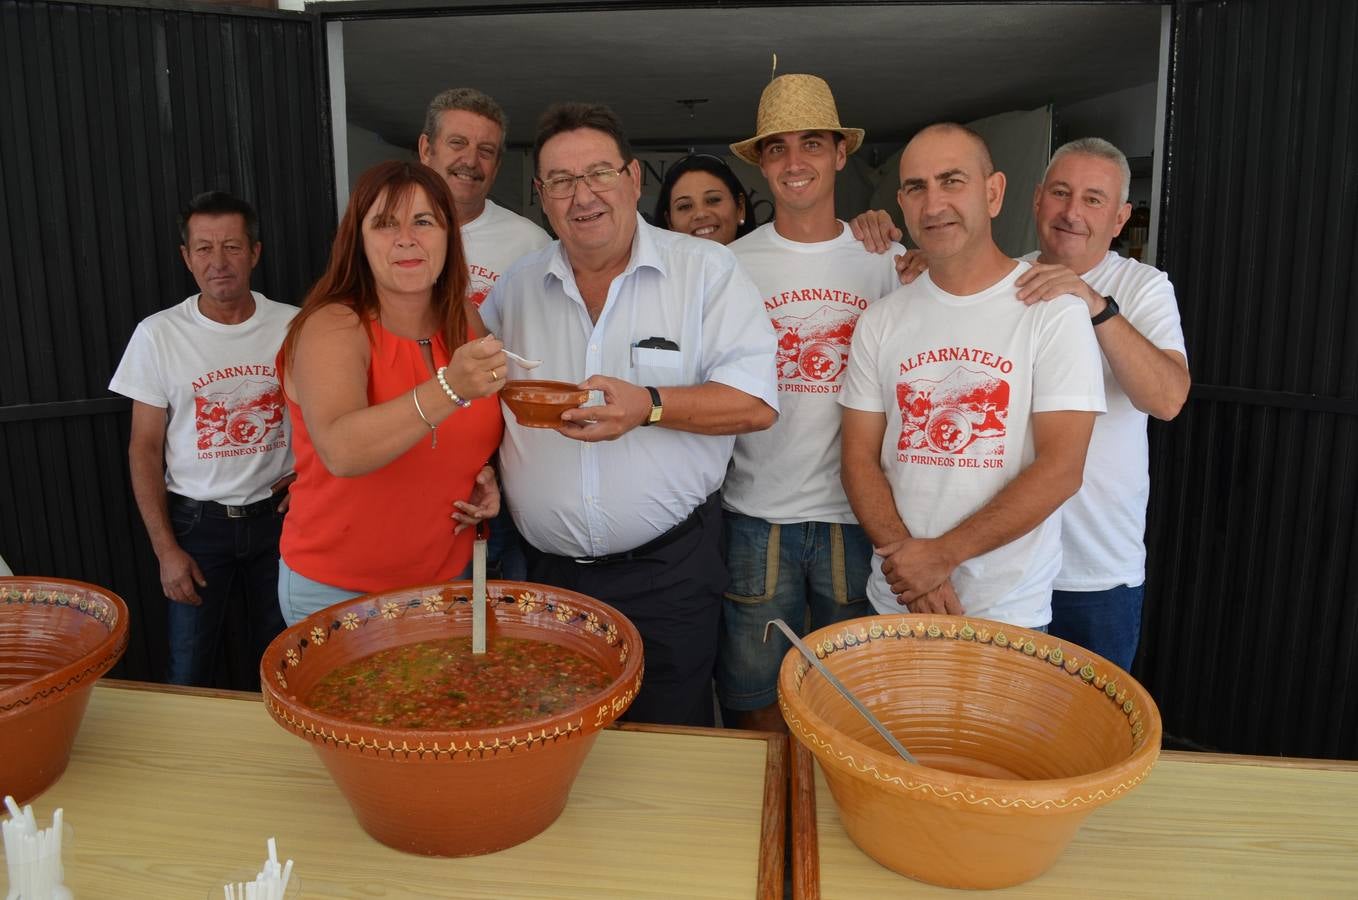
657	367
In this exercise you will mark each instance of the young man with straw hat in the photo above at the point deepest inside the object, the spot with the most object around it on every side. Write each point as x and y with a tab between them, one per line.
792	543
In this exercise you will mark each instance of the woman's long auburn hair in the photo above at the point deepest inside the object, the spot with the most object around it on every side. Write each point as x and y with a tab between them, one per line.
348	279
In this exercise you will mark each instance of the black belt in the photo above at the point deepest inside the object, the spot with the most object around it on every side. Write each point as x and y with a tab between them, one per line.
265	507
694	519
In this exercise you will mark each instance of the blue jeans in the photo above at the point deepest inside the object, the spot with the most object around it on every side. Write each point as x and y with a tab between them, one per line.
300	596
1106	622
232	553
807	574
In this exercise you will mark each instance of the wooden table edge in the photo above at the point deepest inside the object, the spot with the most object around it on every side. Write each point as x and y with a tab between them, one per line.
773	821
806	842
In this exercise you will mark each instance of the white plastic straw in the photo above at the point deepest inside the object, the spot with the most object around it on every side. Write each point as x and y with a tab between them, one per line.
33	855
270	884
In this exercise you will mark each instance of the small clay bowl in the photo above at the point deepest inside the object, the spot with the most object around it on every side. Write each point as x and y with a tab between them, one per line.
539	404
1019	736
57	638
452	793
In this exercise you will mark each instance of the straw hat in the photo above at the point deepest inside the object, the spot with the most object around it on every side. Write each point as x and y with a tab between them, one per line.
796	103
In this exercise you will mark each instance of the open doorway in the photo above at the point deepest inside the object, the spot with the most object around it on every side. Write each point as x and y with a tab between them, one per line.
1030	76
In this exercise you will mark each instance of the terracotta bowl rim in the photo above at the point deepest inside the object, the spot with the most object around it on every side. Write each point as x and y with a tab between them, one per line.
93	663
550	384
1038	795
447	744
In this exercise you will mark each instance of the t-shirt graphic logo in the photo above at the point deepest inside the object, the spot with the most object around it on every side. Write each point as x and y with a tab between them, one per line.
814	348
477	289
248	415
962	414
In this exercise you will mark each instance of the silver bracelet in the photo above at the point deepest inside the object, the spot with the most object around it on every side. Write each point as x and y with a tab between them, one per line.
433	429
452	394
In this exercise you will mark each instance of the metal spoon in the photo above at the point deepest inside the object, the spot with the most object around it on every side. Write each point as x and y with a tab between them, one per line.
839	686
526	363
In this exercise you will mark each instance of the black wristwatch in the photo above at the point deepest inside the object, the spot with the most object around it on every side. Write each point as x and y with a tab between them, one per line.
656	409
1108	311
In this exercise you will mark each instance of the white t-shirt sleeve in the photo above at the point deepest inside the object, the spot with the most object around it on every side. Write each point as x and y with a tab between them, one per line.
861	389
1154	312
139	373
1068	370
739	346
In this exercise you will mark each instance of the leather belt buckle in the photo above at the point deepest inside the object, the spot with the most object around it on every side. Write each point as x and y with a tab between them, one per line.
237	512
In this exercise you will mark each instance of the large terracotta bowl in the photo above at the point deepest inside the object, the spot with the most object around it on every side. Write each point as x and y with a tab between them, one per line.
452	793
539	404
1019	736
57	638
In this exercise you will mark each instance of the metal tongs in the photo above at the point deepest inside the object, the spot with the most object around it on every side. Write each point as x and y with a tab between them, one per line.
839	686
479	588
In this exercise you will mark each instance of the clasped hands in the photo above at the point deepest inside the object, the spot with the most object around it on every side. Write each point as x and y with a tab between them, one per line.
918	571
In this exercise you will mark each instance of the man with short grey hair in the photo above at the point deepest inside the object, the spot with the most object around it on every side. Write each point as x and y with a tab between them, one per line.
1080	207
464	141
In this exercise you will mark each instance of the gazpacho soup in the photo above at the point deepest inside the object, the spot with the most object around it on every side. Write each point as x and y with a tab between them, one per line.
441	685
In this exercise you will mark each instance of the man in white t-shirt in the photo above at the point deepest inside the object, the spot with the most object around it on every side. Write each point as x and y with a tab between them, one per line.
464	141
1080	207
967	414
791	541
210	449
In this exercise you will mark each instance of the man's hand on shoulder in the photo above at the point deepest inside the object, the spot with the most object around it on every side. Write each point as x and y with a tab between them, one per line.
626	406
1046	281
180	577
911	265
875	229
915	567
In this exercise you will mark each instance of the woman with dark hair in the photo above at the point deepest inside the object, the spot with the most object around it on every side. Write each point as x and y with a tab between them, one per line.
701	196
390	380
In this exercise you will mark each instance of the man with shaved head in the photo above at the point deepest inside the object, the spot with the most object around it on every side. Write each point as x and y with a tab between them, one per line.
967	413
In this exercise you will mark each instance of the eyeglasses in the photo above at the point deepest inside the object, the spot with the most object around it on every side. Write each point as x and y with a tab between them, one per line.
598	181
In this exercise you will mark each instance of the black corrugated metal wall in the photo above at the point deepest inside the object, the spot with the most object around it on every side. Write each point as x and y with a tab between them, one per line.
111	118
1251	629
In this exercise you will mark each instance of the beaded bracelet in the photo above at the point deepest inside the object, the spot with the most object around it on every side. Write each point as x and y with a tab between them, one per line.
452	394
433	429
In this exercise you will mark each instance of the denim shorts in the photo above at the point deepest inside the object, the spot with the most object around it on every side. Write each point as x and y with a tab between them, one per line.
299	596
809	574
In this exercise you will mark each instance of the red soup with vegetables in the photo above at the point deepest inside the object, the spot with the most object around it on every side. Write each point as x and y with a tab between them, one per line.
441	685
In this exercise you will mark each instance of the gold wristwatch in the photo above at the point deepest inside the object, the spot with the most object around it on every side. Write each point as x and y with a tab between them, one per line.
656	408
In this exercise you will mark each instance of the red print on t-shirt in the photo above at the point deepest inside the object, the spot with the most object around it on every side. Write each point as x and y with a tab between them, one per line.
479	282
960	415
814	348
248	415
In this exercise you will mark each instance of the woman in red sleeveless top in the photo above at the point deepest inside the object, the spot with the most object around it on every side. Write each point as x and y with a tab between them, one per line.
391	383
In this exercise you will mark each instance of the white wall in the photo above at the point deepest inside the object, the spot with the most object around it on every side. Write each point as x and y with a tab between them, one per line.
367	149
1126	118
